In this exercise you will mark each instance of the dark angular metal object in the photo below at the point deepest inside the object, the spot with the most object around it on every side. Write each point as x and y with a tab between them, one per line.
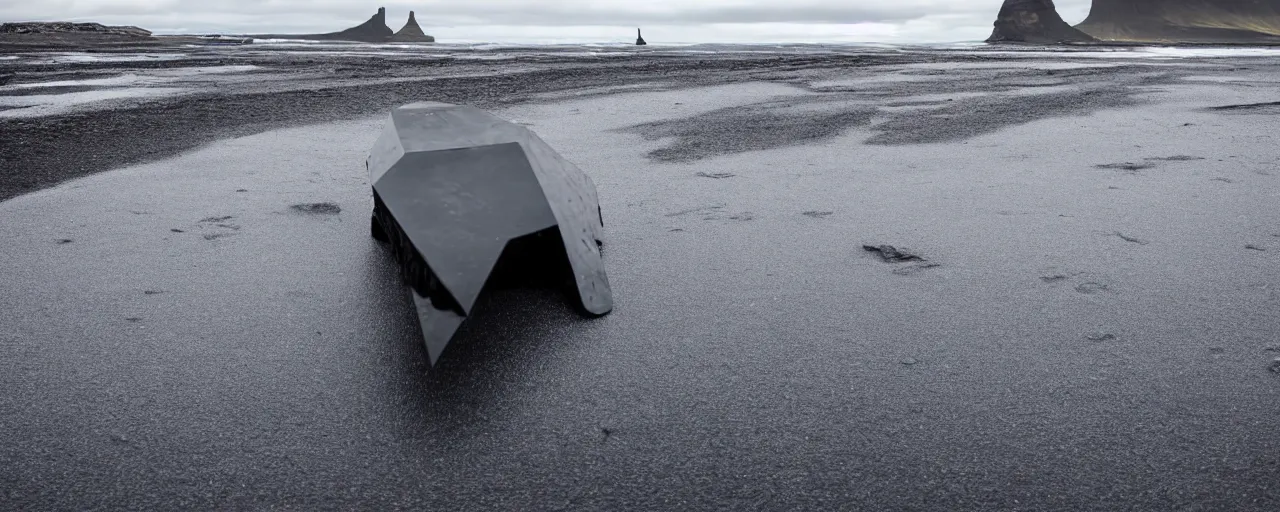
467	200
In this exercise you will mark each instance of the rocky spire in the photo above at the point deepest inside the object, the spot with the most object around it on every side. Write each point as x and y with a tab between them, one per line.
639	39
411	27
373	30
411	32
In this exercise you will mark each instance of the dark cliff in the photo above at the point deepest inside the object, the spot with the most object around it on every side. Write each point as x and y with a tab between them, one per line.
1207	21
33	36
64	27
1033	21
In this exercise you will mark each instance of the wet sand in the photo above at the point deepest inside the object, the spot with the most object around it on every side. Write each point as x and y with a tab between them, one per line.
139	106
1092	327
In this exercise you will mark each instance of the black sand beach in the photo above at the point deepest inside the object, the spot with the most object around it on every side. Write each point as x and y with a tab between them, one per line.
318	88
1091	323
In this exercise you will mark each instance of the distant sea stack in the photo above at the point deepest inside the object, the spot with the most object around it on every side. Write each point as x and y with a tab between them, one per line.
373	31
1033	21
412	33
1191	21
640	39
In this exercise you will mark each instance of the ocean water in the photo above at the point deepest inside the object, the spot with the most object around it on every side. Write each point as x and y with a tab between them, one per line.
503	51
60	93
497	51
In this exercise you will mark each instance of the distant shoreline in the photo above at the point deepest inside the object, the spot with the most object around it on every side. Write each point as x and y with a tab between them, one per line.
9	45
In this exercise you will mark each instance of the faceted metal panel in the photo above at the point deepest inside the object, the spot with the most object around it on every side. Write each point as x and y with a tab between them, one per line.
460	207
454	185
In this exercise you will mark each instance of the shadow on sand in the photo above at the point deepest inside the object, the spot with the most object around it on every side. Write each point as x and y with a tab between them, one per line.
515	329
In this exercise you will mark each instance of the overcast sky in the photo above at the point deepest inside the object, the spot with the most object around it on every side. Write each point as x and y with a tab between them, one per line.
684	21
